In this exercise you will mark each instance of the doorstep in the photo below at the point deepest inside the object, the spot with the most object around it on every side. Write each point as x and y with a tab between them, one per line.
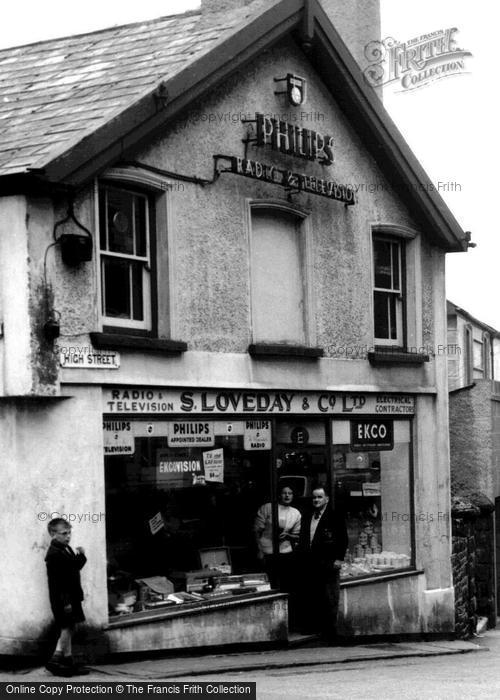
215	664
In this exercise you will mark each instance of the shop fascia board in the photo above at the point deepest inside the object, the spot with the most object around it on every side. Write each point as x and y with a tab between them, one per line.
334	63
239	371
88	377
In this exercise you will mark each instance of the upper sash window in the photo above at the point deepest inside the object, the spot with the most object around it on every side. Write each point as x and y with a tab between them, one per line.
388	291
124	234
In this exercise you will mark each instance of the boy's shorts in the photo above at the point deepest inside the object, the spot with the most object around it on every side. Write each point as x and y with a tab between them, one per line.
70	618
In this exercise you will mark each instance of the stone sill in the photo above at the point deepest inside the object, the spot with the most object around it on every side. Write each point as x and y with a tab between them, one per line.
33	398
281	350
396	357
379	578
116	341
140	618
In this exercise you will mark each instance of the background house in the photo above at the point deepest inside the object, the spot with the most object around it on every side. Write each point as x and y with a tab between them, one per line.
473	371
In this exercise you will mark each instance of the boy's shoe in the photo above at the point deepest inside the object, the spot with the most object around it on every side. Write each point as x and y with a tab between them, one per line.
59	669
66	671
79	671
76	669
65	666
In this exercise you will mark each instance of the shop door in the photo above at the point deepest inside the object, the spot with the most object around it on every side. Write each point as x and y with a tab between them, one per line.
302	459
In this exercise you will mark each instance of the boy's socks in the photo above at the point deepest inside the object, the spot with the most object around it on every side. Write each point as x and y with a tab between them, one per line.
59	658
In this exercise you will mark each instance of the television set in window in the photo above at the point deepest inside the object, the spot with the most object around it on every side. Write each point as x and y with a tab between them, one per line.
298	484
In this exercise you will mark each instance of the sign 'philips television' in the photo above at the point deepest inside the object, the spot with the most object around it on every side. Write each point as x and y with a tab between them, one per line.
294	140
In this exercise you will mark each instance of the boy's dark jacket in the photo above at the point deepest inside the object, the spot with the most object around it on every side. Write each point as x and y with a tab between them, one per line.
63	572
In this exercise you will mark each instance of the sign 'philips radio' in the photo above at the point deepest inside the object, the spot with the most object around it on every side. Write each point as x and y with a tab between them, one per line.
294	140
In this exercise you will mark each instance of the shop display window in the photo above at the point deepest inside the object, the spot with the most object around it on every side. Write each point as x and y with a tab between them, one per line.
185	501
372	486
181	515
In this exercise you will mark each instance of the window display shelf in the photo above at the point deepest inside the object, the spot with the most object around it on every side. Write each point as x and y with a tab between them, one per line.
172	611
372	578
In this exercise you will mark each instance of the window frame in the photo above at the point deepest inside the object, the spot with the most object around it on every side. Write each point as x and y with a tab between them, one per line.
400	341
487	356
478	368
158	191
469	353
412	486
112	322
304	232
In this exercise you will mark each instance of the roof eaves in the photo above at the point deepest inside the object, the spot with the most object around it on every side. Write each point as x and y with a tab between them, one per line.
454	310
47	44
77	162
379	132
128	128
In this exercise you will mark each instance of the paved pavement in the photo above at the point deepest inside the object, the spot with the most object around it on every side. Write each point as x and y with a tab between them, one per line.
311	657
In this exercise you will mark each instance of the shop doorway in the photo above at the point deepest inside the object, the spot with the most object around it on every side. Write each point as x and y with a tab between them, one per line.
302	459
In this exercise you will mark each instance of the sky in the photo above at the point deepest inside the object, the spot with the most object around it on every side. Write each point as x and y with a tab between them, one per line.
450	124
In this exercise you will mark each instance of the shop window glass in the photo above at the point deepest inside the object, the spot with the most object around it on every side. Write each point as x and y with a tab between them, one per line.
277	277
185	512
388	296
372	487
301	458
124	232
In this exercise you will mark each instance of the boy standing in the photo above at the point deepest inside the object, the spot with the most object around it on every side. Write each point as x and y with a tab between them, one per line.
65	592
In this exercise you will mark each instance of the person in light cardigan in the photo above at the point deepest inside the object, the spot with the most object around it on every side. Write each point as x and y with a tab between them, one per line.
280	566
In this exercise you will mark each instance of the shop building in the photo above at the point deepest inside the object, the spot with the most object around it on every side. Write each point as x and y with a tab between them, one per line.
473	351
222	270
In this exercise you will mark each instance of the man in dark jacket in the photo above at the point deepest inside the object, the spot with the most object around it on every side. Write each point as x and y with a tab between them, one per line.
322	546
65	593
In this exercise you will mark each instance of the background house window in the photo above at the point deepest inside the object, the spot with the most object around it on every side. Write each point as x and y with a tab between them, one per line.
124	232
278	278
468	354
388	294
487	356
478	358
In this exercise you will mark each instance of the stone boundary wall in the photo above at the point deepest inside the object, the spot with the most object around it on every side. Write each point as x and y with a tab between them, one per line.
473	564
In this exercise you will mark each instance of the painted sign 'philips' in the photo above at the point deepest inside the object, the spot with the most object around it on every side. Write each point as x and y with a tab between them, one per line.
294	140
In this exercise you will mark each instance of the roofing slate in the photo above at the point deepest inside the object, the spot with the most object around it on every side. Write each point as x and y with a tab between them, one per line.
69	106
55	92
